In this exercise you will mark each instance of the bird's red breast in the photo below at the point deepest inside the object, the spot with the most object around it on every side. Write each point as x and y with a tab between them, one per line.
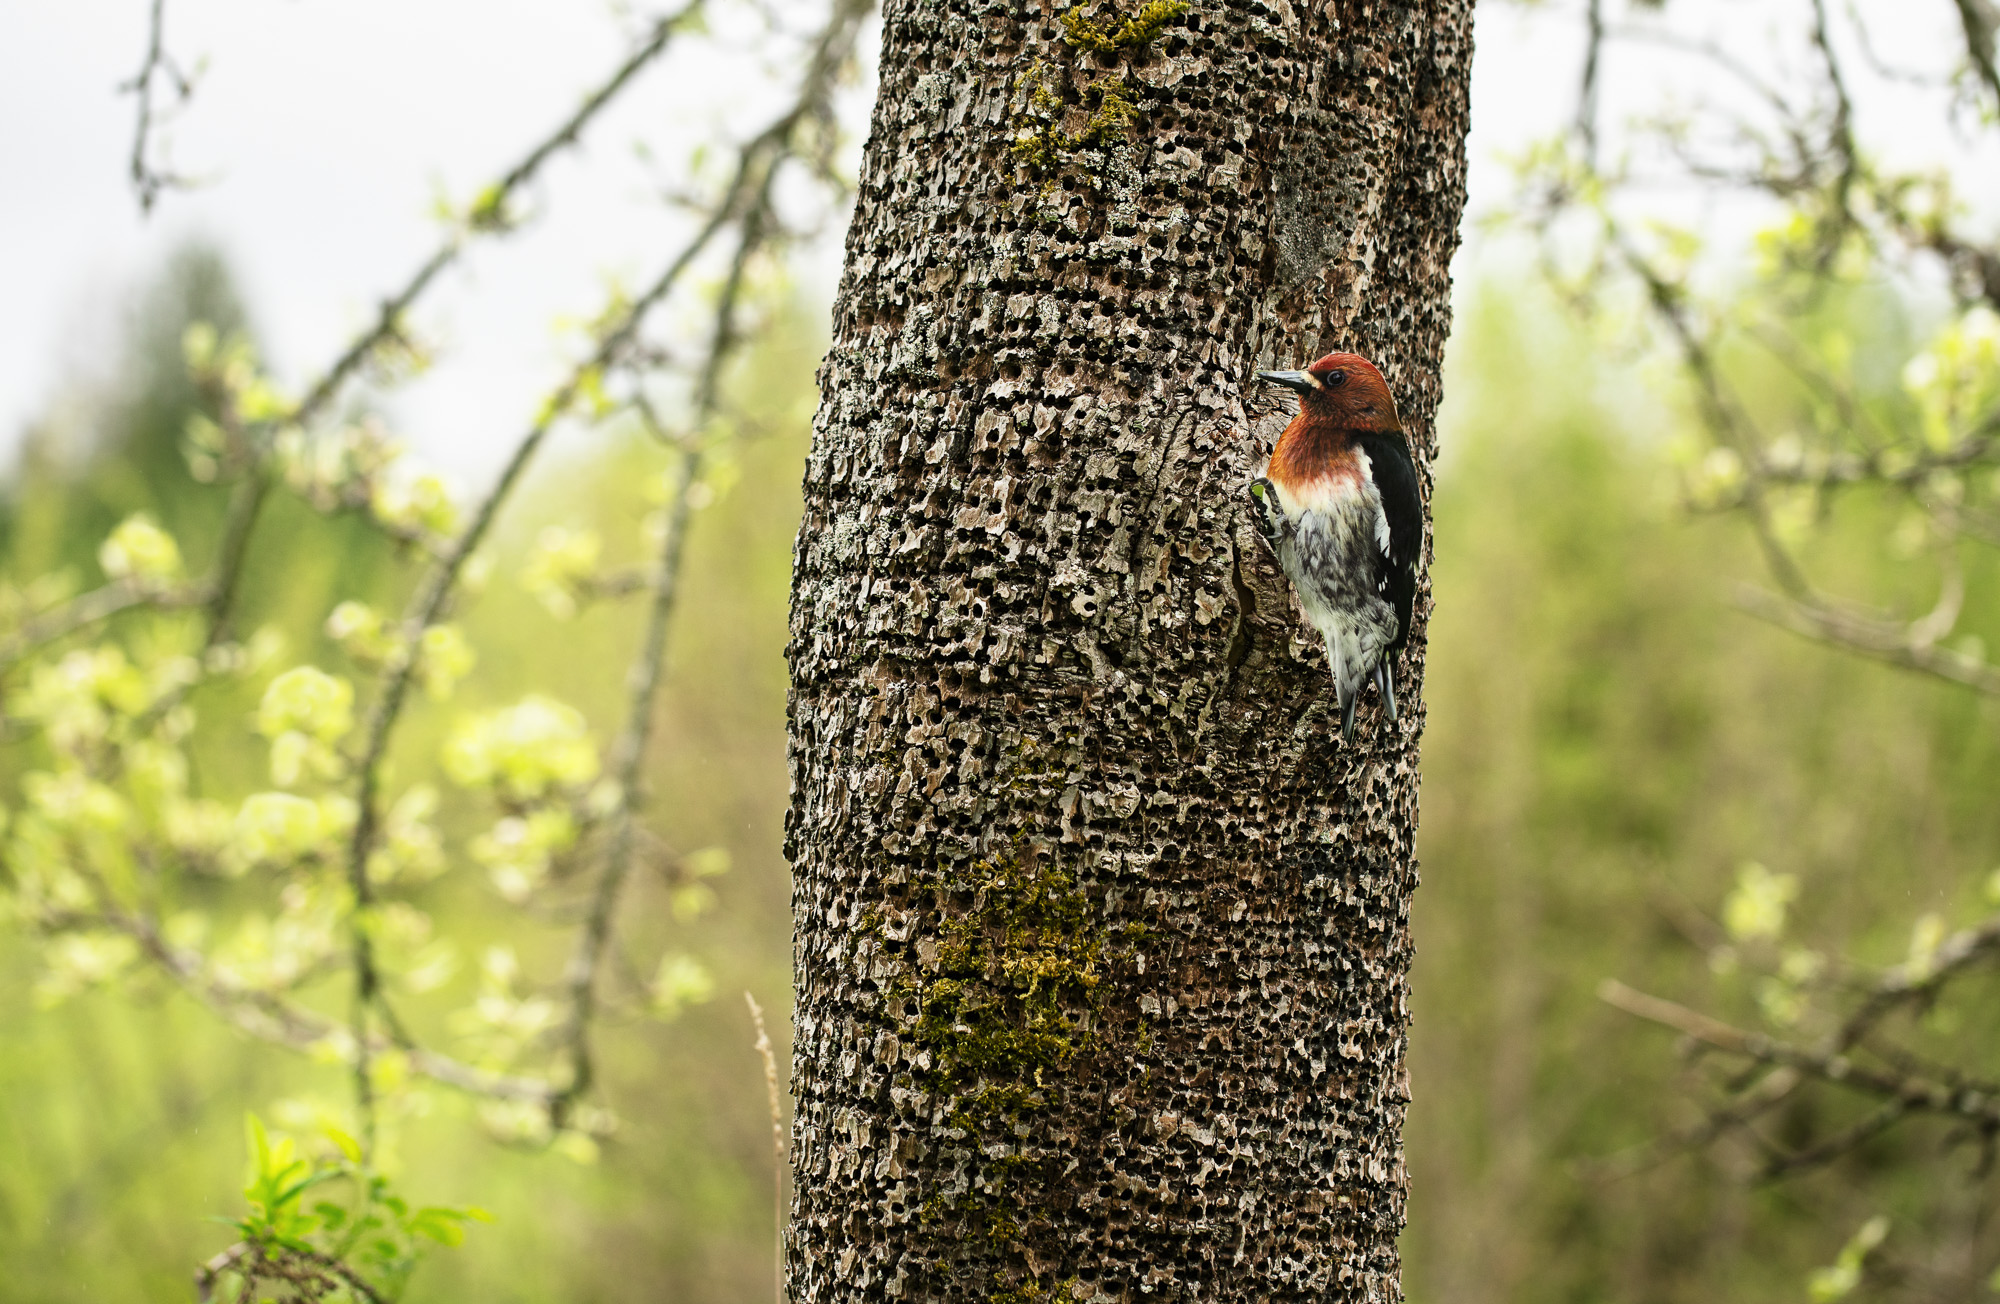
1308	456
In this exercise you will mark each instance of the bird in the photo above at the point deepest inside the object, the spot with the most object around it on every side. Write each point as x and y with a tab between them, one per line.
1339	507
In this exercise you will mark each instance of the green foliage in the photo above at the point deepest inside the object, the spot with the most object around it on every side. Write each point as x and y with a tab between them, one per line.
141	552
300	1232
1838	1279
132	778
524	752
1606	742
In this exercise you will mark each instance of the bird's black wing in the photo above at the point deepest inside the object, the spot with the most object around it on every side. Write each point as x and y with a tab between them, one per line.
1403	509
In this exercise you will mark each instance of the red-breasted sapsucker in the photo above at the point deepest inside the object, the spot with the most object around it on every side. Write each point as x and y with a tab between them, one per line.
1339	507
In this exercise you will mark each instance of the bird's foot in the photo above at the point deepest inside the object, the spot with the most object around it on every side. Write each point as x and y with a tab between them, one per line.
1265	511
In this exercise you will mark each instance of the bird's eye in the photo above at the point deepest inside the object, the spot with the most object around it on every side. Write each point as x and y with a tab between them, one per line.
1335	378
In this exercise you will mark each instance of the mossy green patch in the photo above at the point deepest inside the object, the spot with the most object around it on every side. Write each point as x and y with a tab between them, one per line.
1081	33
1034	1291
1012	989
1042	143
1005	996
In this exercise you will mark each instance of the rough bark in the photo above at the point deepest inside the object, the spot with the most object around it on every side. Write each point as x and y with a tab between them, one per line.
1102	936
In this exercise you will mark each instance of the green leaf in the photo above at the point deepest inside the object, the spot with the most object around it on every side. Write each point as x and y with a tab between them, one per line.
304	1184
348	1145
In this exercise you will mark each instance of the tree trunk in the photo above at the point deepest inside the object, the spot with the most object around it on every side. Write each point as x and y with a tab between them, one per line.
1102	935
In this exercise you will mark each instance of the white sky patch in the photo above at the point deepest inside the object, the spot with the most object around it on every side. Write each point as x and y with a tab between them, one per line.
326	129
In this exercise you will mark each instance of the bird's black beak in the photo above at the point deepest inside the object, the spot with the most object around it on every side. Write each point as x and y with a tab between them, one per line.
1297	380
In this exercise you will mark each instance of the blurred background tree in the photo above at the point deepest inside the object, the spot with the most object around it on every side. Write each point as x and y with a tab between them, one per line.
1628	774
1789	213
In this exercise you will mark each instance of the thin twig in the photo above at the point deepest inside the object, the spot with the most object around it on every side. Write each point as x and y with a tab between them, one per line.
1709	50
1586	100
270	1018
749	197
1829	1148
147	180
245	502
435	594
1840	134
1725	419
221	586
487	216
1914	982
1877	64
87	609
644	679
294	1266
769	1055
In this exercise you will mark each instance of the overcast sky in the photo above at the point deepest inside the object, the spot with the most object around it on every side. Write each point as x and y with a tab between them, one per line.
324	130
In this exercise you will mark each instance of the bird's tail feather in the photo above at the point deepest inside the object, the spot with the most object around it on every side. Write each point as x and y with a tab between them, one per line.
1385	679
1348	692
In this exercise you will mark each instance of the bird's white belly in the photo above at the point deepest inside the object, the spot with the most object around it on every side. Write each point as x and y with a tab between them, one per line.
1325	493
1331	556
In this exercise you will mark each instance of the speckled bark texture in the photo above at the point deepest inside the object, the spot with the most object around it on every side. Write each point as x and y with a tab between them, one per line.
1102	935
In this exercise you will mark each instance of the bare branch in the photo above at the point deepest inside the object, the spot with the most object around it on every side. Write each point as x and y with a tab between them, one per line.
1840	134
1916	981
291	1264
1879	66
1725	418
268	1017
1972	264
219	589
1711	53
772	1092
488	214
1829	1148
758	227
1586	100
1916	1094
428	608
245	502
90	608
1886	641
643	687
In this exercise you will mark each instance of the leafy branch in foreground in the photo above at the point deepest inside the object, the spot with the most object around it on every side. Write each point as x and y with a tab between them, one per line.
324	1227
295	907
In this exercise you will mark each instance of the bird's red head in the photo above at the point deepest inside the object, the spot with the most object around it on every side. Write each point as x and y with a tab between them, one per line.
1343	391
